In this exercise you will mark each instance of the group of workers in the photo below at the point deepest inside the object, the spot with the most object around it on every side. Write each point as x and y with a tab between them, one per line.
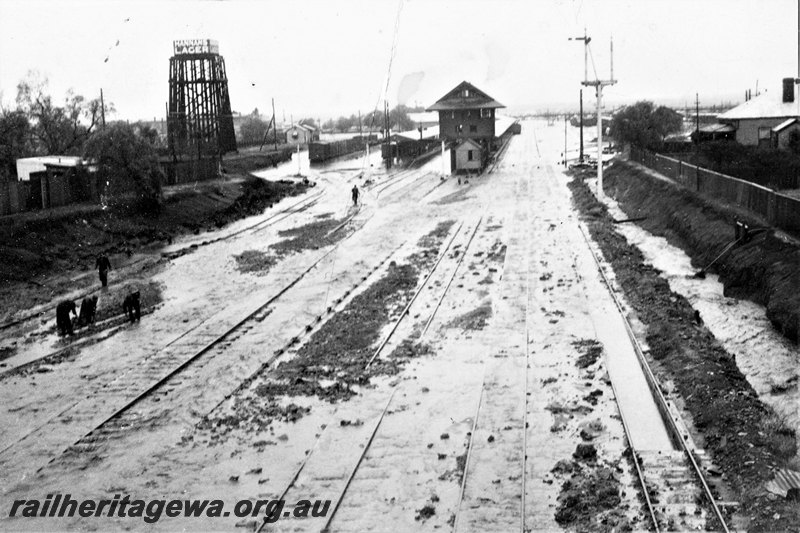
68	316
66	310
131	306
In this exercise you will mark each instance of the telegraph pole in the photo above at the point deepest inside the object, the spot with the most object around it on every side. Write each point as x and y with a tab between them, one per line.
697	112
274	126
565	141
598	85
388	136
580	159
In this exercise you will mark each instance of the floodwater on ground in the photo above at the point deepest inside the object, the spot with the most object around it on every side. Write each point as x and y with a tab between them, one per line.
768	360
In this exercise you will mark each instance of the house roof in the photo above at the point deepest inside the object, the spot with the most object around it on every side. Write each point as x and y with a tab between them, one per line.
428	133
474	144
717	128
766	105
55	160
783	125
474	99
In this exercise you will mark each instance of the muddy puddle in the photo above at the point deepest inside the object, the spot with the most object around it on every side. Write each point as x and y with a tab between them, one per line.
768	360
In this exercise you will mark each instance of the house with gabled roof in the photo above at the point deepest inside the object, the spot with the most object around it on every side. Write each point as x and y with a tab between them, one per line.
301	134
468	155
765	120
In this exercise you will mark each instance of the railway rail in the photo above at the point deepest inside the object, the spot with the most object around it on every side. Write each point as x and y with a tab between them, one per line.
296	207
661	402
118	424
169	366
273	219
115	319
366	446
413	298
464	475
403	186
165	367
449	282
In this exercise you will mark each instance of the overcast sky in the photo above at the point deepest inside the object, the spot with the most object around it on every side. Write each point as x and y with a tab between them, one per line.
327	58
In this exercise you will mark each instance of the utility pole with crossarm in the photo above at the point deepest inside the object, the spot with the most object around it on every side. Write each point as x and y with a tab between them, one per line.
598	84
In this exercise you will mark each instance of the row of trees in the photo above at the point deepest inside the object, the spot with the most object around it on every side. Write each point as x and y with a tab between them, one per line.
254	127
645	125
375	120
126	155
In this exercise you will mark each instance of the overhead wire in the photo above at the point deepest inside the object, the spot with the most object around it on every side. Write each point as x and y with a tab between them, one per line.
382	95
385	91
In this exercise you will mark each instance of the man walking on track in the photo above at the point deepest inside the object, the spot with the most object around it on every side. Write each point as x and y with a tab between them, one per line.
355	195
103	265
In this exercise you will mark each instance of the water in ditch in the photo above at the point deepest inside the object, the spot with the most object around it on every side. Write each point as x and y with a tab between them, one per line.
768	360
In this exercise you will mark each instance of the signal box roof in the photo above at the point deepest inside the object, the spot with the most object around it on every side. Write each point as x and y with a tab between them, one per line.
465	96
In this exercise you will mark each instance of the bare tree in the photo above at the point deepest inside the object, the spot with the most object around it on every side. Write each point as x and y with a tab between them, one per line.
57	129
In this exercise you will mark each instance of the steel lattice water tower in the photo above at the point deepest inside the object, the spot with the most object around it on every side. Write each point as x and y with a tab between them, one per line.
199	116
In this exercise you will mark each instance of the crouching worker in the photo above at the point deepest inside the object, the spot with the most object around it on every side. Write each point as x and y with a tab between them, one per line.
63	320
131	306
88	311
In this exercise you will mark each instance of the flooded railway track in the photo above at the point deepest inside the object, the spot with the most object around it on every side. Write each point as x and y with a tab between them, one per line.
124	422
449	281
159	372
399	180
159	369
261	225
273	219
319	477
662	477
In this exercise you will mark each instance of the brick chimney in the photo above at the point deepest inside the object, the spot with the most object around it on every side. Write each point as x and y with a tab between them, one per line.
788	90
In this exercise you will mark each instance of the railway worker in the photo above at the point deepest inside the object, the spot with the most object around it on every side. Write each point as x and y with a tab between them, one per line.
103	265
131	306
355	195
63	320
88	311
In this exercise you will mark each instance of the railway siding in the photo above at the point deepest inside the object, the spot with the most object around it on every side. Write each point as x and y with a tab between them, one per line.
576	442
725	414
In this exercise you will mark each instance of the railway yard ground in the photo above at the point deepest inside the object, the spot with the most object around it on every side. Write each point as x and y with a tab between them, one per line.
495	355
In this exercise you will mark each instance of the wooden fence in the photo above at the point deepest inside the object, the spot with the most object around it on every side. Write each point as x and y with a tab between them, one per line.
777	209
